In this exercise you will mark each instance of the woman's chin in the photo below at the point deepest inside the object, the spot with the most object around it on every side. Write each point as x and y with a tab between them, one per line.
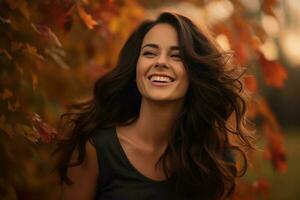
162	98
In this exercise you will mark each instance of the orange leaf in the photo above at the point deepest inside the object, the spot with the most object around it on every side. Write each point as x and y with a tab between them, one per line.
262	185
32	50
274	73
28	132
87	18
34	81
6	94
244	191
251	83
5	127
268	6
276	149
21	5
14	46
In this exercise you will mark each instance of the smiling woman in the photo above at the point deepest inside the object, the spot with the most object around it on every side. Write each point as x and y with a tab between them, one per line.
158	125
160	73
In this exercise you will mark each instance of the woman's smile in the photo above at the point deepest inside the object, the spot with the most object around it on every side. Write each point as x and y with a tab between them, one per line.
160	80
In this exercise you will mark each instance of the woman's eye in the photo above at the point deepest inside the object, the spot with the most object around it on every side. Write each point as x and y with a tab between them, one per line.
148	53
177	56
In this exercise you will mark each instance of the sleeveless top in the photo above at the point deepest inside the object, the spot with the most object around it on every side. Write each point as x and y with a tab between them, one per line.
119	179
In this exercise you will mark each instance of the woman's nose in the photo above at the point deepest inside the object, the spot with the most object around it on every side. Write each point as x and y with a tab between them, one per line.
162	60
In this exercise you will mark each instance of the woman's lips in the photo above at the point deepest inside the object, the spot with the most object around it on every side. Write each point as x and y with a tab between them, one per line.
160	84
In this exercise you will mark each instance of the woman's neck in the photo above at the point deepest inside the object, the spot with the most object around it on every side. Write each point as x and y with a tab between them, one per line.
156	122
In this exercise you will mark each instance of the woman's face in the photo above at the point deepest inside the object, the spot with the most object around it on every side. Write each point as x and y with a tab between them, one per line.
160	73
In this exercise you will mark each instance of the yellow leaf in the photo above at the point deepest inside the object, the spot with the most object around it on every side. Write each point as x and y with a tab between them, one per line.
87	18
32	50
114	25
28	132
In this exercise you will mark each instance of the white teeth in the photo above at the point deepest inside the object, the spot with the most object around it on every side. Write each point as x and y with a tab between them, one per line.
160	78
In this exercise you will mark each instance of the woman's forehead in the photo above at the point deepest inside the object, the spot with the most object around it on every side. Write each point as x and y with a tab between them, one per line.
162	34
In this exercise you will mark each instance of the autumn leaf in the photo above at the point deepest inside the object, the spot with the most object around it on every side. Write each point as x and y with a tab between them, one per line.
5	127
21	5
34	79
268	6
30	133
251	83
276	152
46	33
244	191
6	94
32	50
25	48
270	127
14	46
87	18
57	55
262	186
6	54
273	72
45	131
59	16
13	106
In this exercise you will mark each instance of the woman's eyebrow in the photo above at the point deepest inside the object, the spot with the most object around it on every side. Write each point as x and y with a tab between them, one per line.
151	45
174	48
157	47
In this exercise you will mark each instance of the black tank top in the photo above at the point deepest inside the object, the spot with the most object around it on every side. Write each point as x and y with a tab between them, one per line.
119	179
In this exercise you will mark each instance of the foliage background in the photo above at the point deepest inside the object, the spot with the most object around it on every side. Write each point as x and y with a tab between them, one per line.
52	51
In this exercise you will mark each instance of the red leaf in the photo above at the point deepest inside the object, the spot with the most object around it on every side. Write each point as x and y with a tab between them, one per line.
262	185
60	14
274	73
275	148
251	83
271	129
46	132
268	6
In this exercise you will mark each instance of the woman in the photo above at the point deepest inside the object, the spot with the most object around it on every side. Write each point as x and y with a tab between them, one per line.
157	126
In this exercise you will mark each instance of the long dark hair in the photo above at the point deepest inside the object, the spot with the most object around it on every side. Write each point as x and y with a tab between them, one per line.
199	151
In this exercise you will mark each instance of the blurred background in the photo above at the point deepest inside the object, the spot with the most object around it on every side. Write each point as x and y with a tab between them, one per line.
52	51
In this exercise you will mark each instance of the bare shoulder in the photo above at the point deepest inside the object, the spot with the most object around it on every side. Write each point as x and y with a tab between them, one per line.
83	176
